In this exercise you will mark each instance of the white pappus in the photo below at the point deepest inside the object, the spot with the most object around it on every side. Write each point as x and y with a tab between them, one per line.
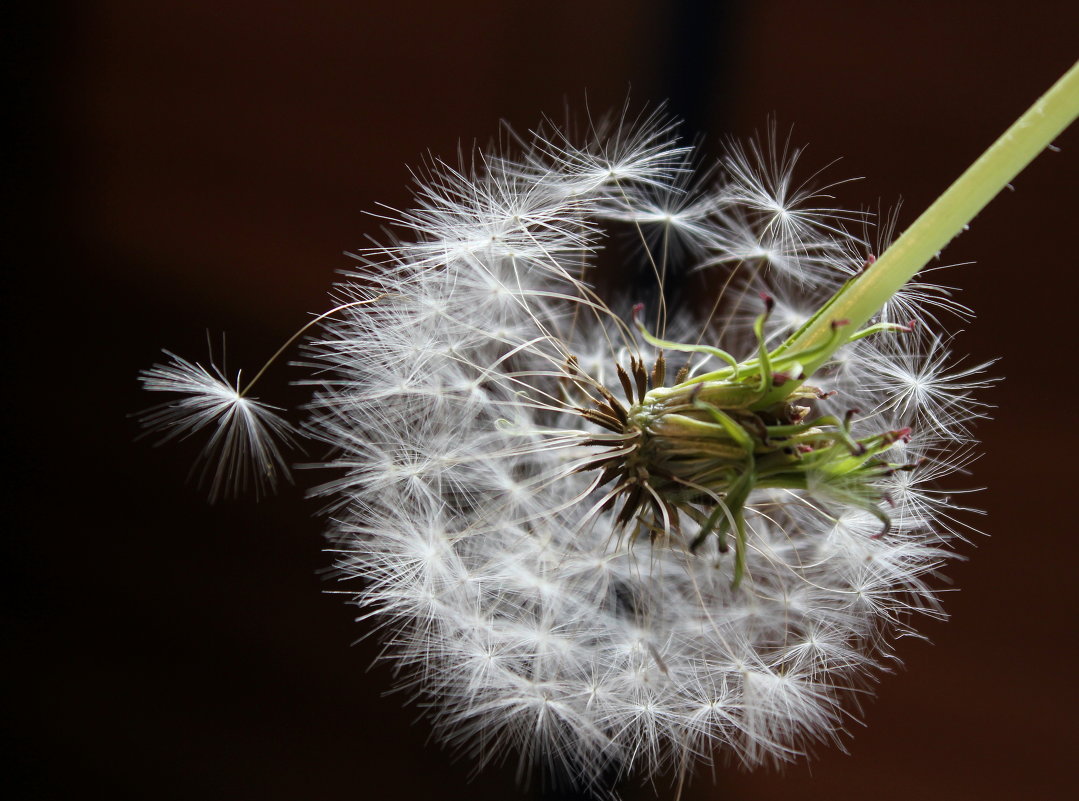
594	539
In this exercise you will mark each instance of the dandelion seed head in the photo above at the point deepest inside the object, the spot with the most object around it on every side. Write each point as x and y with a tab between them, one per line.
592	540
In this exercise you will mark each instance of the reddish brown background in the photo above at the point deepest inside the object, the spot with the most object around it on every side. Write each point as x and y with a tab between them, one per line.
184	165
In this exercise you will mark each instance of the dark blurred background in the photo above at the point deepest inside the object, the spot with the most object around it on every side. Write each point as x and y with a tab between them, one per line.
184	165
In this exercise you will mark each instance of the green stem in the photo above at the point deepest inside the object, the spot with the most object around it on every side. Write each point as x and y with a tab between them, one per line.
857	301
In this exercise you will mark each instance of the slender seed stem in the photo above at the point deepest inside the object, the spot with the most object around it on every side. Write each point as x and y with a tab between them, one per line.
858	300
288	342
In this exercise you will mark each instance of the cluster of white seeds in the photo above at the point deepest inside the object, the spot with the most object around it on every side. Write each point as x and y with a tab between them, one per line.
511	599
515	603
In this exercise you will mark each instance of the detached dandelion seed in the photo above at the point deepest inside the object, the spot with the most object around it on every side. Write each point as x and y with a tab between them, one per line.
610	540
247	436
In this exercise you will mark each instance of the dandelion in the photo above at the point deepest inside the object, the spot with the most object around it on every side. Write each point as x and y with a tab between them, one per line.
611	539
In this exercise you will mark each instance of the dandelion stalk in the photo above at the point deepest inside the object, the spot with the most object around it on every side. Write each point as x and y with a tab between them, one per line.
861	298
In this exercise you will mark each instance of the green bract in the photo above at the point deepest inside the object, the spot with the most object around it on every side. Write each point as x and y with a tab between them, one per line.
699	448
